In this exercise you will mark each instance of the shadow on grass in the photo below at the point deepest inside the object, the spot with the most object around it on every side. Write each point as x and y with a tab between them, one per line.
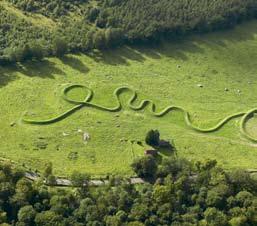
6	77
74	63
139	53
245	31
164	152
119	56
176	48
42	69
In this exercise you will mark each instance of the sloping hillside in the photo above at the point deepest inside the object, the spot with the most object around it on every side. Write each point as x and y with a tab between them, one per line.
222	62
34	29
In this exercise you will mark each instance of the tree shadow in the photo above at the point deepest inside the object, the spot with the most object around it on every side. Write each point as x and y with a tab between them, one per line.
118	56
42	69
245	31
75	63
176	48
166	151
107	57
132	54
5	77
139	53
150	50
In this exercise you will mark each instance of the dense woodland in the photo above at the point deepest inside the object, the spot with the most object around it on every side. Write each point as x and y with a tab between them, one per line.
180	193
82	25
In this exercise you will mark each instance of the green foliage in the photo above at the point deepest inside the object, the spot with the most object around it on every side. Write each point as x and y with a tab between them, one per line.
241	180
48	170
99	39
48	174
51	180
214	217
113	37
3	217
51	8
37	52
93	14
114	22
152	138
80	179
47	218
174	167
60	47
172	18
26	215
145	167
173	199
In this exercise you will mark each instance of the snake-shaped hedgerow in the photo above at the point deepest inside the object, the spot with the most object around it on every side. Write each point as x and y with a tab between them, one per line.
87	102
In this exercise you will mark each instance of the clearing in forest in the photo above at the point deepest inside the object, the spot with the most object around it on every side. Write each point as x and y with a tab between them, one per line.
210	77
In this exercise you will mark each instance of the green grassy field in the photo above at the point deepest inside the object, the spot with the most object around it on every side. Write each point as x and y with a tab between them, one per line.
167	74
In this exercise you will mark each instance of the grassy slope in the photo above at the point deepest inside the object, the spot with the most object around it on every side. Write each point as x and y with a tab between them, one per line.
218	61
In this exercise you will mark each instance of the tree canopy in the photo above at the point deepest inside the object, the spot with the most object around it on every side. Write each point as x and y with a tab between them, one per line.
182	193
81	25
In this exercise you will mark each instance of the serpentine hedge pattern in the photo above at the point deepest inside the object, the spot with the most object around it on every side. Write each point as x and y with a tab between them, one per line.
144	103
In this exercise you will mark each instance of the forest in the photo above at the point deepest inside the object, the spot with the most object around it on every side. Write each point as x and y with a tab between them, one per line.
81	26
179	193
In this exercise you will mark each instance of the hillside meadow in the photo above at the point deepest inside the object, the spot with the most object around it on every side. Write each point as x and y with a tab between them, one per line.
223	63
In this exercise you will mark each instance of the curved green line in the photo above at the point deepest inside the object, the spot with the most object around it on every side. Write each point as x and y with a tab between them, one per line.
144	103
243	123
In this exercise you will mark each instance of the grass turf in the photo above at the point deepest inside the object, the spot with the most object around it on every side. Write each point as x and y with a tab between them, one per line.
167	74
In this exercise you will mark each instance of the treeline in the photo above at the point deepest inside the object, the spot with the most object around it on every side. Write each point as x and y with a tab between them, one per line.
180	193
21	40
83	25
143	20
18	35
